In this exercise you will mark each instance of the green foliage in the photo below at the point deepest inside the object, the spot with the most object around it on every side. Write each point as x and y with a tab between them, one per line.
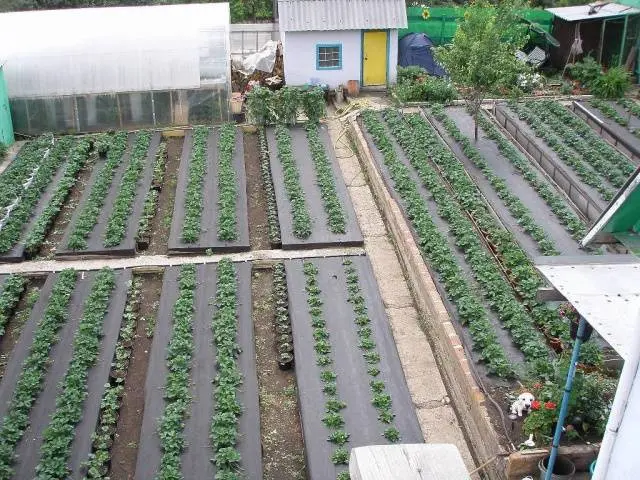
177	388
613	84
267	183
58	437
12	290
287	103
336	218
193	196
227	185
630	106
609	111
117	224
3	150
586	71
75	161
267	107
312	102
340	456
260	105
416	85
152	196
301	218
34	369
93	207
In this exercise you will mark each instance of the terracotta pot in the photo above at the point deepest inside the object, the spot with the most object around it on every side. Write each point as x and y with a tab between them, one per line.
353	88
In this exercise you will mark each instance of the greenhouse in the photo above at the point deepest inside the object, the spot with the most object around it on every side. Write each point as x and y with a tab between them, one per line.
95	69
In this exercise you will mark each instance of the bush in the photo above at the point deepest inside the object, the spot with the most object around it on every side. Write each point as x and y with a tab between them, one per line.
612	84
586	71
416	85
267	107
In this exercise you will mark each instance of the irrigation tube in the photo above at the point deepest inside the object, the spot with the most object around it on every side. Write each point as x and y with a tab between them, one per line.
564	406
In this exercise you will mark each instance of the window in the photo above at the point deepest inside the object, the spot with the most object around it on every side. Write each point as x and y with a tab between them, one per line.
329	57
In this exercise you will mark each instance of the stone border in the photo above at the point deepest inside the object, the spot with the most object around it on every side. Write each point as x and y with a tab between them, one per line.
467	398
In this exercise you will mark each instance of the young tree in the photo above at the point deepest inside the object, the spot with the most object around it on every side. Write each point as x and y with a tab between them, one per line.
482	58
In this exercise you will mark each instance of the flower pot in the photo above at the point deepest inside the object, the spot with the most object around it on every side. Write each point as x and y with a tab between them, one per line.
564	469
353	88
588	330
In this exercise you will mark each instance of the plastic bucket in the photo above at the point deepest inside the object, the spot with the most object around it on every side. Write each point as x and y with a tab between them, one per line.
562	470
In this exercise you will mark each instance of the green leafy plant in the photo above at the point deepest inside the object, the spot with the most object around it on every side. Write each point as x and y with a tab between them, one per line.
287	102
58	437
12	289
612	84
312	101
416	85
267	182
34	369
227	184
260	104
299	212
630	106
91	211
586	71
193	196
609	111
340	456
117	224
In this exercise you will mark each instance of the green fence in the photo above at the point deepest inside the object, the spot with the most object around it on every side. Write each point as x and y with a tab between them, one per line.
441	22
6	127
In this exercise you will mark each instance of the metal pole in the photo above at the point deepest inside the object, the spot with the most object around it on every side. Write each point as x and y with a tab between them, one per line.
564	406
623	40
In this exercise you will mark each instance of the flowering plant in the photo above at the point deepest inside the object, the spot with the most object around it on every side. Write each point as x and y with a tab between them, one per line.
568	311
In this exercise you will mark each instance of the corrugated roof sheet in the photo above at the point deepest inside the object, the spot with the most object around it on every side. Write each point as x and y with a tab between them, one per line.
581	12
305	15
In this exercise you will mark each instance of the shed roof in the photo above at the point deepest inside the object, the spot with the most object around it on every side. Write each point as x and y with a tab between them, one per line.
581	12
306	15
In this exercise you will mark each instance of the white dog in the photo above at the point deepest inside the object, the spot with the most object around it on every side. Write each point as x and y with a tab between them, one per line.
522	404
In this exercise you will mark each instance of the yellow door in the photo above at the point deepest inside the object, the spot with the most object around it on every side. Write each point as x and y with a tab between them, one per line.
374	58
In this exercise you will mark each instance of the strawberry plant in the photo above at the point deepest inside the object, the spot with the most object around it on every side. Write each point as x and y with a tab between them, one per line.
91	211
267	183
58	437
12	290
609	111
34	369
193	197
565	215
176	390
516	207
336	218
227	187
117	224
299	211
151	198
434	247
630	106
227	409
284	342
11	226
75	161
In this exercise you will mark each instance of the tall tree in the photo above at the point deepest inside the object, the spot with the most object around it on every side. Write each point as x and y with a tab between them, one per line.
481	60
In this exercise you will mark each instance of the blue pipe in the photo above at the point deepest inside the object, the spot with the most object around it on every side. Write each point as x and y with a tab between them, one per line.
564	406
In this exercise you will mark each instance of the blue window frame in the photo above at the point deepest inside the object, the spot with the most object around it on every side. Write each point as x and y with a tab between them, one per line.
329	56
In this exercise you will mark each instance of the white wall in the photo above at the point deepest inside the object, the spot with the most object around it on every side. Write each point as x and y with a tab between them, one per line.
300	56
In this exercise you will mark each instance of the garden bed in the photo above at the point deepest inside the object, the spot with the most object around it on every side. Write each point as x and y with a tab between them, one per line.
195	460
310	223
96	240
354	368
209	235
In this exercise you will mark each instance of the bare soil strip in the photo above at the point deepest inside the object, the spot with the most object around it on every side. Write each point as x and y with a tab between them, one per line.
256	196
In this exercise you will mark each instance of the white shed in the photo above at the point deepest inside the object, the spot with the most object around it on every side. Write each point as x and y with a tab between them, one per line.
334	41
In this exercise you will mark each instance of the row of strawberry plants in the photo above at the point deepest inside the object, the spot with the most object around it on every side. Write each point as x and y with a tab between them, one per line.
299	211
98	465
176	391
574	225
117	144
75	161
516	207
34	370
336	218
630	106
380	399
58	437
284	334
332	419
11	230
151	198
520	269
421	145
566	154
596	143
12	289
267	183
117	224
227	187
435	248
193	196
609	111
21	168
594	152
227	407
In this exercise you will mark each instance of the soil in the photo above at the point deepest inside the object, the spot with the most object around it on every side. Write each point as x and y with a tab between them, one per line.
125	446
256	195
56	233
162	220
13	329
281	432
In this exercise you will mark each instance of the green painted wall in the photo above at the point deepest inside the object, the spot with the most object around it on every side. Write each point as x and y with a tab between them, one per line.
6	126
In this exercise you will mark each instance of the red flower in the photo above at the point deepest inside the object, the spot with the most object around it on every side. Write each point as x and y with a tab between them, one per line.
549	405
537	385
535	405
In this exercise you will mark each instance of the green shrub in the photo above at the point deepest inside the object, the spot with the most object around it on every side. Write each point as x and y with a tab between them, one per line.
586	71
416	85
612	84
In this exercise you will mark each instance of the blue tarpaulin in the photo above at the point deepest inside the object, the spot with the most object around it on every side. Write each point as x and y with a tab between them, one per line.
415	49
